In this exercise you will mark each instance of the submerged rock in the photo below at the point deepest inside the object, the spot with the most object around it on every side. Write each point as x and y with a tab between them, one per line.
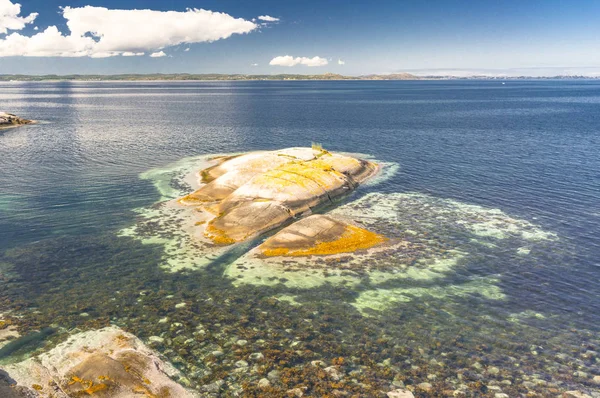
10	120
247	195
104	363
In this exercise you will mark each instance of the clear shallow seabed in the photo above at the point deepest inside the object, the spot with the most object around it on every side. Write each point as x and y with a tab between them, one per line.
495	189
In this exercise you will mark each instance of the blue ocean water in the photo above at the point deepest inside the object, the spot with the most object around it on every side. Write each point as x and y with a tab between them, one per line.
528	148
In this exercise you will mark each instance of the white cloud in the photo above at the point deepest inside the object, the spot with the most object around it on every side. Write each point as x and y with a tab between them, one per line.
100	32
10	19
268	18
132	54
187	49
340	62
288	60
158	54
253	64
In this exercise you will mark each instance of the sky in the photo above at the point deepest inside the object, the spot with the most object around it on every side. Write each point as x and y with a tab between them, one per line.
501	37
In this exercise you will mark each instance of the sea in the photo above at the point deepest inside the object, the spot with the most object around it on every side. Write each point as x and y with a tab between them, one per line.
495	185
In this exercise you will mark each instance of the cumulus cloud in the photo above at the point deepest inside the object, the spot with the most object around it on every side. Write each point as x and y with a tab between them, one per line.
158	54
101	32
10	19
340	62
253	64
132	54
288	60
268	18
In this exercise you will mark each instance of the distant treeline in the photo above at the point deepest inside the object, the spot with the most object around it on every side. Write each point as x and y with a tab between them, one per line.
237	77
209	76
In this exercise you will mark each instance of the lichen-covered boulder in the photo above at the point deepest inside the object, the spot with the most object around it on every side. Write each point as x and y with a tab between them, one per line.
10	120
99	363
253	193
319	235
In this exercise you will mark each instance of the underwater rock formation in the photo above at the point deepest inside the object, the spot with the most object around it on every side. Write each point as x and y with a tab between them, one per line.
244	196
10	120
102	363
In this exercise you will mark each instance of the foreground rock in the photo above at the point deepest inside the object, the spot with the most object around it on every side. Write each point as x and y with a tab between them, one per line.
247	195
102	363
10	120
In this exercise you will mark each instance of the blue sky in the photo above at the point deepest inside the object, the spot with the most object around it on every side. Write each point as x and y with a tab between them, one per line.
459	37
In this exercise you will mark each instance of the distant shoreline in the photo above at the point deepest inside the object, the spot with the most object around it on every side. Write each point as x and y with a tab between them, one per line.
182	77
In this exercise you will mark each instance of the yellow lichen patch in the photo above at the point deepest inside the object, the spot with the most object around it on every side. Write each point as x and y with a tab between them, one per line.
312	178
143	390
353	239
94	388
192	199
88	386
37	387
5	324
219	237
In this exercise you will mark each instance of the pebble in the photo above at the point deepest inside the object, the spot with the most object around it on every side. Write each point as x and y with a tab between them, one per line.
334	373
477	366
425	386
596	380
501	395
256	356
263	383
241	342
318	363
217	353
575	394
581	374
241	364
213	387
84	314
163	320
156	339
493	370
180	305
273	375
400	393
295	392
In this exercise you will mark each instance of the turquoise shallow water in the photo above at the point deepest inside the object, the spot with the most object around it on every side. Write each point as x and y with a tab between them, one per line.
495	187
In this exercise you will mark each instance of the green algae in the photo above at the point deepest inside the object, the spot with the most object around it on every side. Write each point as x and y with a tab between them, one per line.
382	299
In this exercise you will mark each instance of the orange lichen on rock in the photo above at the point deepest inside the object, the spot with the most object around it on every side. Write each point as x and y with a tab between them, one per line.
320	236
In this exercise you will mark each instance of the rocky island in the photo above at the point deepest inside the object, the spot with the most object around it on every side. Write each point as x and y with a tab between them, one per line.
244	196
10	120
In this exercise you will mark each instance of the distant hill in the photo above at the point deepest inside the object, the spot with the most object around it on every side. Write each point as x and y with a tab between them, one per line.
208	76
393	76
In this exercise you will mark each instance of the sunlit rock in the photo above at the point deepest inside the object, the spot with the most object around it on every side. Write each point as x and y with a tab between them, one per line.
319	235
101	363
247	195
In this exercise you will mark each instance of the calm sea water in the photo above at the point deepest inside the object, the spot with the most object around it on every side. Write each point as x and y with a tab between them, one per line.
528	148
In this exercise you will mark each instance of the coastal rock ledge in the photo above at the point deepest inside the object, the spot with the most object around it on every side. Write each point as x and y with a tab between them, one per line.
10	120
104	363
241	197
